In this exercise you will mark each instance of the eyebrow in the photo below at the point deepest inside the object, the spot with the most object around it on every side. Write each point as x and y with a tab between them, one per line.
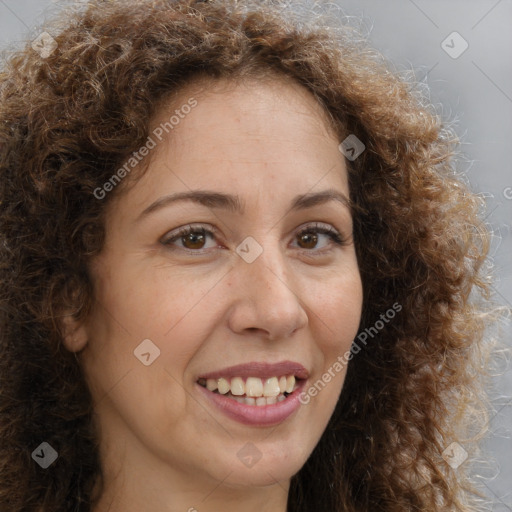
232	203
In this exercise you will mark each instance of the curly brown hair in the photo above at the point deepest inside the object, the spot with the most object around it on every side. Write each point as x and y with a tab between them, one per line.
69	120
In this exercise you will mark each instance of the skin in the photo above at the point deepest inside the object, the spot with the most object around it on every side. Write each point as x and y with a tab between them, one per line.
164	446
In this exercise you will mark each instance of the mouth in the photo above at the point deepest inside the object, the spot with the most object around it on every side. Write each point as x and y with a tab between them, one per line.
255	393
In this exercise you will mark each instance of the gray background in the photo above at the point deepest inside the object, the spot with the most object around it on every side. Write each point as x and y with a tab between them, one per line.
474	90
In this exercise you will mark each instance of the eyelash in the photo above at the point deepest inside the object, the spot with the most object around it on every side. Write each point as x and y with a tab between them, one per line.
333	234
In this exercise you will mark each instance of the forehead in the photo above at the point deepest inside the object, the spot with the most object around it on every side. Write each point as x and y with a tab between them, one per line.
253	135
248	103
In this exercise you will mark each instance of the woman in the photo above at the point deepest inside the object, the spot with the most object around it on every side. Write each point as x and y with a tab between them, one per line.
236	264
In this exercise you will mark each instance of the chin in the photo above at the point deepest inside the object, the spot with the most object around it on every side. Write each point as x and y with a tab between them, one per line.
262	475
263	467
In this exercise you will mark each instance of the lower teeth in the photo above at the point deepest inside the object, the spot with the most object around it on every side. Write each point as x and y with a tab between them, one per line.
260	401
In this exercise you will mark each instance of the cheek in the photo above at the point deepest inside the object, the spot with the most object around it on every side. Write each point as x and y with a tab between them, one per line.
129	310
336	314
151	304
337	305
169	325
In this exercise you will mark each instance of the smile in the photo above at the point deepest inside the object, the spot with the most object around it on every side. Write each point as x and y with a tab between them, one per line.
257	394
252	390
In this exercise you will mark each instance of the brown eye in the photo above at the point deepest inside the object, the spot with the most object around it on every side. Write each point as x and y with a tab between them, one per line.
190	238
308	239
193	240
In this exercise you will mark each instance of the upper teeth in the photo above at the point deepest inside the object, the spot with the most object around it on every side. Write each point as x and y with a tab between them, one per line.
253	386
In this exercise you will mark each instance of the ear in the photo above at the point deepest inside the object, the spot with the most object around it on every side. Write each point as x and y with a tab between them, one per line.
74	333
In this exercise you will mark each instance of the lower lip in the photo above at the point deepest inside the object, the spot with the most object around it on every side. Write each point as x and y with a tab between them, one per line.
256	415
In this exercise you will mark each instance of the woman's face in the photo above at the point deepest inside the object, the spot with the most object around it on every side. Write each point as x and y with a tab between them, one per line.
186	324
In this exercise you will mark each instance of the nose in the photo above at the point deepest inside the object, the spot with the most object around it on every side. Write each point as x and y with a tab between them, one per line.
265	299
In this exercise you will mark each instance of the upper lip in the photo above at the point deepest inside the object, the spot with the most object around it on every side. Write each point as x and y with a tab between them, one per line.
259	369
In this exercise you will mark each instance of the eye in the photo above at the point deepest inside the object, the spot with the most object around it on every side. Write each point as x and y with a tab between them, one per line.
309	237
192	238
